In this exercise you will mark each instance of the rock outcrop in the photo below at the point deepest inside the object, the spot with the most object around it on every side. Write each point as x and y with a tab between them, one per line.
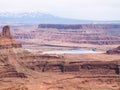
114	51
9	48
6	40
6	32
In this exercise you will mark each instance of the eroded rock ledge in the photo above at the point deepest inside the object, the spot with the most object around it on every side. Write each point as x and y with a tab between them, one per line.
114	51
79	26
44	64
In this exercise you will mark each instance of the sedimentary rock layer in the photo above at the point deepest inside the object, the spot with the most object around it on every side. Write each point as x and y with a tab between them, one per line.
44	64
103	34
80	26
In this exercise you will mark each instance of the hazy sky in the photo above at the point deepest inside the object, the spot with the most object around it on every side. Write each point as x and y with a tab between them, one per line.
81	9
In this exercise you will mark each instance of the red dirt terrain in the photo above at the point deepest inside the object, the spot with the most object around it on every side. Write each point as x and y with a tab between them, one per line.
23	70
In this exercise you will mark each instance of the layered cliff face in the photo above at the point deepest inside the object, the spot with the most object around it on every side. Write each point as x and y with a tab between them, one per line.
84	33
7	70
80	26
49	63
101	34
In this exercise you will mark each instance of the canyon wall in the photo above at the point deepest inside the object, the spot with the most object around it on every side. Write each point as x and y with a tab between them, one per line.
101	34
80	26
57	64
13	63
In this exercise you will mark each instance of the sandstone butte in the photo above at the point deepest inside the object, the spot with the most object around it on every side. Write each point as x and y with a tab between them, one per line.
6	40
8	46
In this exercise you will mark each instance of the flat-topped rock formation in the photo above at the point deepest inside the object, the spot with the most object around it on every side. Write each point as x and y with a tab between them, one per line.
80	26
100	34
103	34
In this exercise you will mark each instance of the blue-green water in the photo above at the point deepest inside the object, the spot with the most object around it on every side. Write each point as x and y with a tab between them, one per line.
79	51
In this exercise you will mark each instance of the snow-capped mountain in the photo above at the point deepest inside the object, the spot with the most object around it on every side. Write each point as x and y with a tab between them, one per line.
24	14
38	18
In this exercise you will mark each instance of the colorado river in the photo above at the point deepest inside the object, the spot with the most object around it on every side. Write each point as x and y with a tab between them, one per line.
79	51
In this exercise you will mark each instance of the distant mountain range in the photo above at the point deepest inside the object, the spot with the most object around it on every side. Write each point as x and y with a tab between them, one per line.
38	18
